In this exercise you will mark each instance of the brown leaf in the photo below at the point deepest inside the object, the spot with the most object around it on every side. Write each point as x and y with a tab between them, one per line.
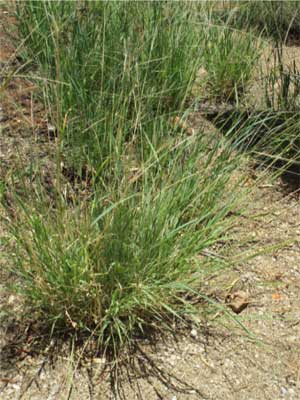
276	296
237	301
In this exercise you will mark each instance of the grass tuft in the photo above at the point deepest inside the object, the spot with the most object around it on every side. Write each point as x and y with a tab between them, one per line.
113	67
120	264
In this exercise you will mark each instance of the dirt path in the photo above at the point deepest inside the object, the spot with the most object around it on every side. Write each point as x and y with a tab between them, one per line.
218	362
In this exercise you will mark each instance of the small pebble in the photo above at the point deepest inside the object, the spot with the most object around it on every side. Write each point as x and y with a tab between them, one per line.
283	391
11	299
194	333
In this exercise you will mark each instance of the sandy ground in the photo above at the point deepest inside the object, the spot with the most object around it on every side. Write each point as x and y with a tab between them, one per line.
218	360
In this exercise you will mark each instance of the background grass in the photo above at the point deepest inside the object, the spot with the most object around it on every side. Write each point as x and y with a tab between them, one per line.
229	59
279	20
115	67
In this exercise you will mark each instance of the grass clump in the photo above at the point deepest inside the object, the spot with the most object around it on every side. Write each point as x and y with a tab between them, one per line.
282	85
279	20
279	141
111	67
229	60
116	77
122	263
272	137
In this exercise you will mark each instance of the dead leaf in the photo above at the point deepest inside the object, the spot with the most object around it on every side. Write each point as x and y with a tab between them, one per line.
237	301
276	296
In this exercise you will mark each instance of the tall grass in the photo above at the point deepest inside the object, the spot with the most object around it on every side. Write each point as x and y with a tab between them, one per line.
279	20
271	132
282	84
272	137
122	263
229	59
115	68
